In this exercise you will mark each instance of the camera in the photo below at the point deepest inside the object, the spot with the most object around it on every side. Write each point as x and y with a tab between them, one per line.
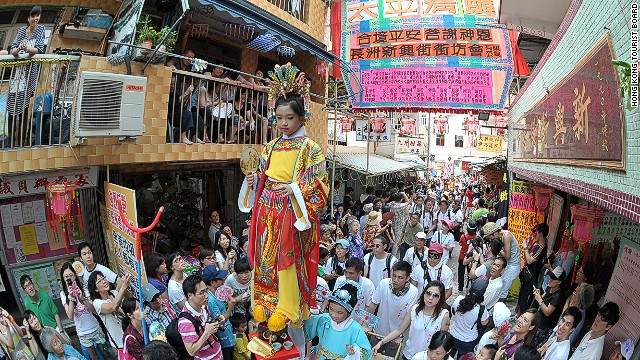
339	271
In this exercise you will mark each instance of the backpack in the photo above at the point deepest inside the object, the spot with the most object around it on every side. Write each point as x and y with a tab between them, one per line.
370	261
174	338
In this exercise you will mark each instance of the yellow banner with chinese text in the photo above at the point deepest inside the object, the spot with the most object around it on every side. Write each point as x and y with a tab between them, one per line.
492	143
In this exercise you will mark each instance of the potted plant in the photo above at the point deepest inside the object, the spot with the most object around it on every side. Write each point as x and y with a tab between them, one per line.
146	33
170	42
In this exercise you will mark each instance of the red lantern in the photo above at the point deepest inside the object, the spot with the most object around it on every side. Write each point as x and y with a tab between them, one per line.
542	195
407	126
441	125
378	124
346	123
586	219
501	125
64	202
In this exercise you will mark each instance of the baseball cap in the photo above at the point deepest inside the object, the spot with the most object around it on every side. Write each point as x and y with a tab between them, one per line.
343	242
435	247
149	292
557	273
421	235
211	273
626	348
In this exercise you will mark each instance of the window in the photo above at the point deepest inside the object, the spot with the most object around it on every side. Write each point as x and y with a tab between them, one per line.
440	140
459	141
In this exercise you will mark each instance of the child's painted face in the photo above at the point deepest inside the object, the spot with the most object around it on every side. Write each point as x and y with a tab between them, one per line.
337	312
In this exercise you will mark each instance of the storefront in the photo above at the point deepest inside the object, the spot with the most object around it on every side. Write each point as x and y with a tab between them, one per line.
33	241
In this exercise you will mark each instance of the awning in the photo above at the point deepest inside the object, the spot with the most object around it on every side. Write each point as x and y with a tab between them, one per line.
378	165
413	160
242	9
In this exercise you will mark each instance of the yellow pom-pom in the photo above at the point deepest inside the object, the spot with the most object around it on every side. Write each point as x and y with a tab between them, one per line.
277	321
259	314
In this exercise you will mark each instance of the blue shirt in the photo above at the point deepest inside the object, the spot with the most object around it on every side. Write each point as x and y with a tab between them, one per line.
69	352
216	307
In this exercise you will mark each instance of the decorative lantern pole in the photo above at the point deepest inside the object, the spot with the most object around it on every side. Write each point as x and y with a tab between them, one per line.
586	219
138	232
63	199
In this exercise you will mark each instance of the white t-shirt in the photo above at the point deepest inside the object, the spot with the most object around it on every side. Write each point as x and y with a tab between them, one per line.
238	290
366	288
447	215
175	292
444	240
415	259
391	308
492	293
484	341
110	275
328	267
589	349
421	330
463	326
558	351
322	291
84	321
111	321
446	276
378	269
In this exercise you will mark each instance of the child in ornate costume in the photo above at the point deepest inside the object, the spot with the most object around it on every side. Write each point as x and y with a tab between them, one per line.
287	194
340	336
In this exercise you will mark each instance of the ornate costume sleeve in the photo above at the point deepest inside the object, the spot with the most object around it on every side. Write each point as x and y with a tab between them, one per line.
311	187
247	195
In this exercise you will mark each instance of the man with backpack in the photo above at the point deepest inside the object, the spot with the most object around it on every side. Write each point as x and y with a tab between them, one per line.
192	333
378	263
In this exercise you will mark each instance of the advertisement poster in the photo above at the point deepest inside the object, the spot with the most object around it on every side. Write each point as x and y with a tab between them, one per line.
44	279
123	240
491	143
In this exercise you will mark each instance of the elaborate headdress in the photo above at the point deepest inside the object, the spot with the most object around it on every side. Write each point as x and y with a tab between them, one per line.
346	295
285	80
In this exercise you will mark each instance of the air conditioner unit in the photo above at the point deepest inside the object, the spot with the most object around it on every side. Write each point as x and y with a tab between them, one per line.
110	105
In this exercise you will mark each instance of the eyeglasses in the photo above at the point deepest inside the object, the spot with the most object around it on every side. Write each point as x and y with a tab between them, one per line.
211	258
434	255
431	295
202	293
27	285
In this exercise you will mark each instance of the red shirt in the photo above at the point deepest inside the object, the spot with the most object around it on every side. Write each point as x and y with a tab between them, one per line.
464	245
134	341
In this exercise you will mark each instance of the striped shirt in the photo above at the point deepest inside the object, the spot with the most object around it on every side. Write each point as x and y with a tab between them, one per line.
211	349
25	78
165	316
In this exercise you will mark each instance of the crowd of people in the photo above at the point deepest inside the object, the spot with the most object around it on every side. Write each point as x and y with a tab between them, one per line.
437	304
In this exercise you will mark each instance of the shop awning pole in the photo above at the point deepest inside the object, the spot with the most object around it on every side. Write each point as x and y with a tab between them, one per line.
368	139
335	141
428	147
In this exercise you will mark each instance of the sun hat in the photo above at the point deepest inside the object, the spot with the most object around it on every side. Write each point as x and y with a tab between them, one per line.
374	218
490	228
447	222
435	247
343	242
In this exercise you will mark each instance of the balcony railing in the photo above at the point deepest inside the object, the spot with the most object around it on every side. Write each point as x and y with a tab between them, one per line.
36	100
206	109
295	8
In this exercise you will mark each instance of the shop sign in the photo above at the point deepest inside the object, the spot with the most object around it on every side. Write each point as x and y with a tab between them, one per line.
465	166
37	184
122	240
415	55
491	143
413	145
381	135
580	122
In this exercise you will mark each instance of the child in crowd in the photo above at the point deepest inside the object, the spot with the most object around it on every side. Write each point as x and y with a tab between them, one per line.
239	323
340	337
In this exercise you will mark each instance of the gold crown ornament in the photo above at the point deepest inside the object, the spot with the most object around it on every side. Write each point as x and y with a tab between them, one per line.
285	80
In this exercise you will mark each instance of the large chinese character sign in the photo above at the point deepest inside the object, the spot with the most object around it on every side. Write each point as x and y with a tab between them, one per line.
580	121
414	55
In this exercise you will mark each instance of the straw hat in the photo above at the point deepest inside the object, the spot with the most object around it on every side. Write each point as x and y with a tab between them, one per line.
490	228
374	218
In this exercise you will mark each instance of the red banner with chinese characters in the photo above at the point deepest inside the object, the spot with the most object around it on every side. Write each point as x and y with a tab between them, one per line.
581	121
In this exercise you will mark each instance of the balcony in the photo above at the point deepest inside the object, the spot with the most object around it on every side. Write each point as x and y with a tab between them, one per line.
294	8
206	109
36	100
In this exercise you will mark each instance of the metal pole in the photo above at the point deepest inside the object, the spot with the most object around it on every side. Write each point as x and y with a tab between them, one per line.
368	139
428	147
335	141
